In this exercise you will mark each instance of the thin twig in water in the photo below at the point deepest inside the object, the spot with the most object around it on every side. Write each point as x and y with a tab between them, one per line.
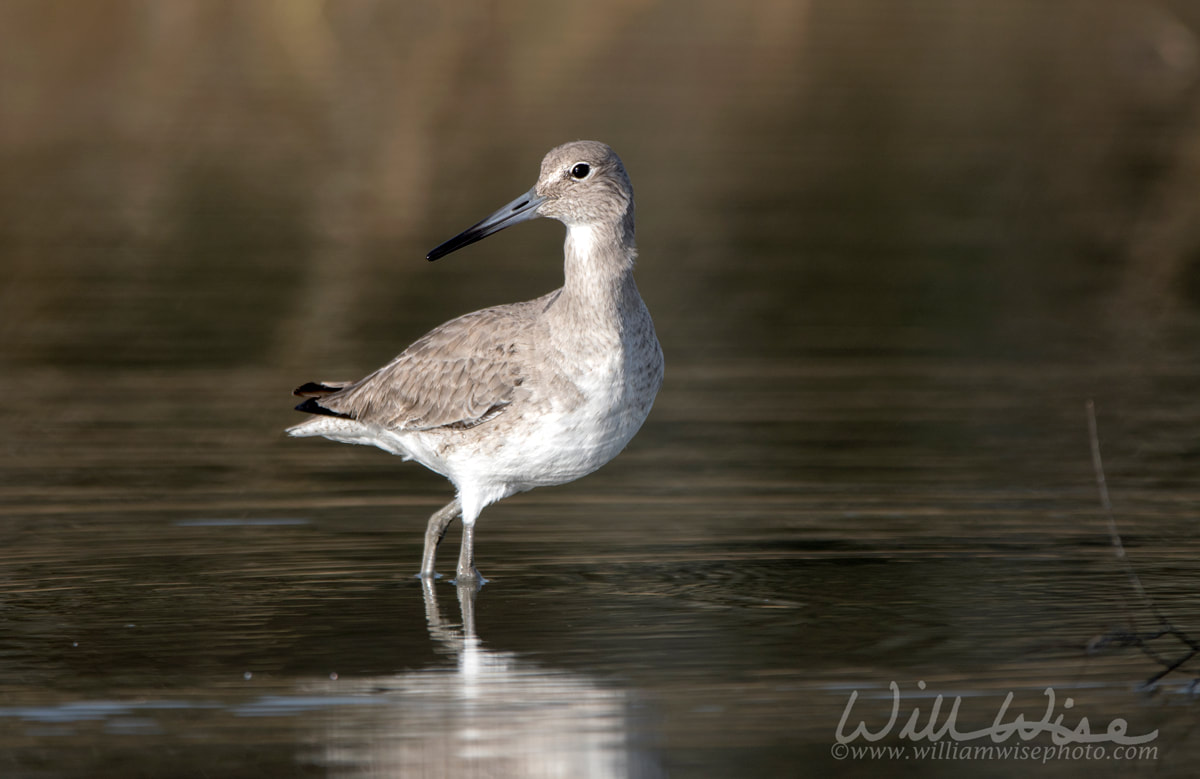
1106	504
1133	638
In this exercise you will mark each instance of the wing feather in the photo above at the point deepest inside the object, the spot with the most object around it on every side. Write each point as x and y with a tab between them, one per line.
459	375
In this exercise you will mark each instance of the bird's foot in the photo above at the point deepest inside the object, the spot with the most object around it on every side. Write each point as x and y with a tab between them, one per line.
470	577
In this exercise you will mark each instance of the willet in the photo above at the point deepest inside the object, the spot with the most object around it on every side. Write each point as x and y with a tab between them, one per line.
523	395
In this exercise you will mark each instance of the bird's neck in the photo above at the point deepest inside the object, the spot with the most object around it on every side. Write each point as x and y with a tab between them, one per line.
598	294
599	259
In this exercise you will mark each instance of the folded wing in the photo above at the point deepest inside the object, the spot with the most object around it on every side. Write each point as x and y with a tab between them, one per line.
459	375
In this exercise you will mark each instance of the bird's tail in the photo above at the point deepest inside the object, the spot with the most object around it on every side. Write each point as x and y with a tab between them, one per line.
313	391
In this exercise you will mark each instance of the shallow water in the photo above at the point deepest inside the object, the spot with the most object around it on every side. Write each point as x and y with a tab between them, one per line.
884	295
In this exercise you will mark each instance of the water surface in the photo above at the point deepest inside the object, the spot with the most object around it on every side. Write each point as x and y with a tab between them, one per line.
890	255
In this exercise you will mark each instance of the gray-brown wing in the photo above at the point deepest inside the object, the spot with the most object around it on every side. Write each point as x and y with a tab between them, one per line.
461	374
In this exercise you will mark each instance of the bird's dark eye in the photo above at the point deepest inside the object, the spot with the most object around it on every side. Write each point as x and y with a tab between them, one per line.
581	170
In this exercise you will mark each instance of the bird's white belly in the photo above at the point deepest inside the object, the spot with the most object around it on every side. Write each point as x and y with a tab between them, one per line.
550	448
558	444
564	447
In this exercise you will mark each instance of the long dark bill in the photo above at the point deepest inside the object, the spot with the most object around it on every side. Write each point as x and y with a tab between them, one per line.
522	209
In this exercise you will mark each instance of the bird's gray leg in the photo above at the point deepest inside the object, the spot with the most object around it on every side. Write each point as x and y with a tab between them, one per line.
466	556
435	531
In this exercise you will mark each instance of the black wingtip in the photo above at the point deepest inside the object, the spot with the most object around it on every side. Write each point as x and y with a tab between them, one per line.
311	406
313	389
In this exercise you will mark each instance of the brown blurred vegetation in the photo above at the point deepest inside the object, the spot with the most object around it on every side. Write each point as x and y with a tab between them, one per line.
274	159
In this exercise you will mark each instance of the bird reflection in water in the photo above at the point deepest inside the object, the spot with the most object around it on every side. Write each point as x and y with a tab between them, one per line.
490	713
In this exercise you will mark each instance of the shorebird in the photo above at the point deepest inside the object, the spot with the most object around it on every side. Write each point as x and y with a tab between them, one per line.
522	395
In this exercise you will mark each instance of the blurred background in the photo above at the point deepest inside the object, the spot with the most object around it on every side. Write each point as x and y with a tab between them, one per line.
890	248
